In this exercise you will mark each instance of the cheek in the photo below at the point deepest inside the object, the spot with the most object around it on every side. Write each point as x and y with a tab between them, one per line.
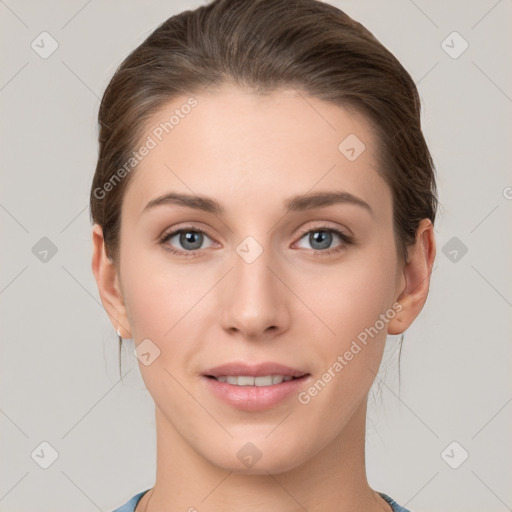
162	306
158	294
351	302
350	297
341	299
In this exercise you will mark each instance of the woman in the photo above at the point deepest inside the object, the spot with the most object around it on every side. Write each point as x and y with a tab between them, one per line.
263	210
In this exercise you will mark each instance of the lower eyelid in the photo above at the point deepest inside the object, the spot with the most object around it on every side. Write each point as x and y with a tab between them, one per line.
344	238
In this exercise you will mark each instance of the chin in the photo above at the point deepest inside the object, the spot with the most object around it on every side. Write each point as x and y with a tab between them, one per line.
249	460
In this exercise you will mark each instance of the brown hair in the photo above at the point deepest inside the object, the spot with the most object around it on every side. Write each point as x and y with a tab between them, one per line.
264	45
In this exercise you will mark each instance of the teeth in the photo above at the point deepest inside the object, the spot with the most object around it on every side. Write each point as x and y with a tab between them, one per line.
246	380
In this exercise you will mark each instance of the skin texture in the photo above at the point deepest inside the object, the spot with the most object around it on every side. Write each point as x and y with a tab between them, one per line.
251	153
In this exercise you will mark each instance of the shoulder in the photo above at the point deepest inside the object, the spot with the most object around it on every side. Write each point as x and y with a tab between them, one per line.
130	505
394	505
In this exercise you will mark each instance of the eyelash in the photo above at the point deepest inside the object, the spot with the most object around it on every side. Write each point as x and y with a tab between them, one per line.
346	239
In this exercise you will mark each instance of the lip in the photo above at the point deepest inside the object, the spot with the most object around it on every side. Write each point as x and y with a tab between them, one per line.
256	370
255	398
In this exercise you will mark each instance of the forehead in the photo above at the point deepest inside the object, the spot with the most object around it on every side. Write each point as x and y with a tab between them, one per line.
250	149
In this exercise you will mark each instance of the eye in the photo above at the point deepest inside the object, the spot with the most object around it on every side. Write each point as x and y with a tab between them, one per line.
321	238
190	238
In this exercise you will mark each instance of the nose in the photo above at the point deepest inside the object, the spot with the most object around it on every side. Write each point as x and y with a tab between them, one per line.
253	299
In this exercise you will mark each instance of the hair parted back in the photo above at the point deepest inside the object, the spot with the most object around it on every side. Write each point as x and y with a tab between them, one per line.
264	45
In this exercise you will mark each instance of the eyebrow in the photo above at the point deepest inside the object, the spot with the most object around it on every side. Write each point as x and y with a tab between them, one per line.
294	204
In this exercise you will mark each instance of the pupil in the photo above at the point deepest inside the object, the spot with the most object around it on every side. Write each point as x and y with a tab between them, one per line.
323	236
188	237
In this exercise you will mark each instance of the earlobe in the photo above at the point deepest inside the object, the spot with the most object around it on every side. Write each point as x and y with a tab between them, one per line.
107	280
416	274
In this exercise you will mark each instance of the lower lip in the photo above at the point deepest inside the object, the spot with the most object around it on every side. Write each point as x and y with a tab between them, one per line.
254	398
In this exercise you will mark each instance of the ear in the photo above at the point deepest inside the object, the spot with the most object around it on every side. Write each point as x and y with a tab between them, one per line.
416	274
107	279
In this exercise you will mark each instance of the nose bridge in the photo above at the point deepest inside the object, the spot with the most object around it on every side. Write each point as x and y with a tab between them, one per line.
252	301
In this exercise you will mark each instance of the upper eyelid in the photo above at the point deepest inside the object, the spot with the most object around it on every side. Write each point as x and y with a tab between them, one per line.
301	234
175	231
191	227
344	231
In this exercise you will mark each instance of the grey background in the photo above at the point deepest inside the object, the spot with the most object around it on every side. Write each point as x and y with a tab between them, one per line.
58	366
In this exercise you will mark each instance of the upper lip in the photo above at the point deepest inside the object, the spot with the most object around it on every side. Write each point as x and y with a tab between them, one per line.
255	370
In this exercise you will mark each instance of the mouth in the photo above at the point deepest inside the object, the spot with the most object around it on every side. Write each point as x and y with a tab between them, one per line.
251	387
260	381
259	374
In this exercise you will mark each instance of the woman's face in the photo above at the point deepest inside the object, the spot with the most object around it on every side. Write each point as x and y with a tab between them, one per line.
265	283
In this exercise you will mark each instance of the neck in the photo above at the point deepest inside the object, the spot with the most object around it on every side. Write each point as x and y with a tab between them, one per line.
335	476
